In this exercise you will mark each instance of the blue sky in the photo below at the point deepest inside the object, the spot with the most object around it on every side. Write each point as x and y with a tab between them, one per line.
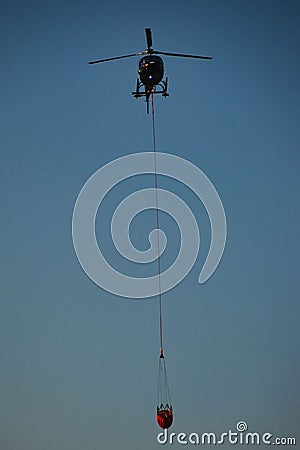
79	365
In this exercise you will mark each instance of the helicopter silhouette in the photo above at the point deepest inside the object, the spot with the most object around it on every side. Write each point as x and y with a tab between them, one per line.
151	70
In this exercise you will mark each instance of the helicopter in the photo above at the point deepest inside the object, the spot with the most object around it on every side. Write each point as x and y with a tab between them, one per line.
150	70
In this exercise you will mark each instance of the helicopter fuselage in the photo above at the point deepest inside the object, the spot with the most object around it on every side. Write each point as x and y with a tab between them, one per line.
151	71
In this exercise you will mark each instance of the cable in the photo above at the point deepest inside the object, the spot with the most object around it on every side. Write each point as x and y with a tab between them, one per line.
157	228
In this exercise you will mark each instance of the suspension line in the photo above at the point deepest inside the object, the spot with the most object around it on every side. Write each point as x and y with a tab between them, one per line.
157	230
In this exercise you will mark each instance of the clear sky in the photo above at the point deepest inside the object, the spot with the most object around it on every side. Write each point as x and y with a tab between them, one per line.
79	365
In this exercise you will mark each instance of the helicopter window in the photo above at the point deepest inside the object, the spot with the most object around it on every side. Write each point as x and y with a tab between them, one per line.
147	60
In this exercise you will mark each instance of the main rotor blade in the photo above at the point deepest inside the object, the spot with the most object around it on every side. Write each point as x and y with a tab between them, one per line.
148	37
111	59
181	55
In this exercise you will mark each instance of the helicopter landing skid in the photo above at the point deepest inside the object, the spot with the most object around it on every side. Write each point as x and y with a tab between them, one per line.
163	85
